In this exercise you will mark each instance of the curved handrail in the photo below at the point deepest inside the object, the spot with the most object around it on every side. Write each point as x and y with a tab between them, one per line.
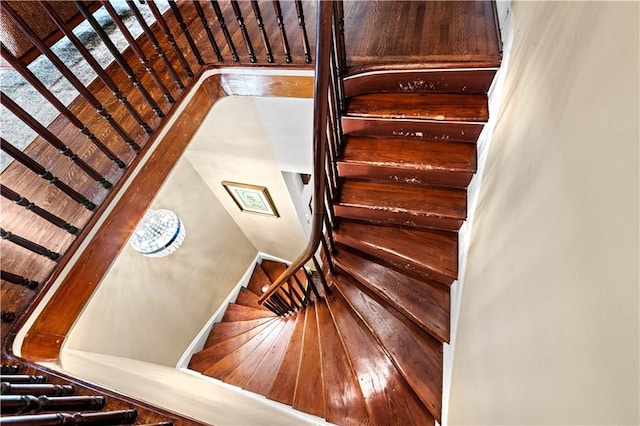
320	105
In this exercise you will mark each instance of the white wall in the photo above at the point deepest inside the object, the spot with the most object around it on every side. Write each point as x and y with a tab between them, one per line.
232	144
548	330
150	309
175	390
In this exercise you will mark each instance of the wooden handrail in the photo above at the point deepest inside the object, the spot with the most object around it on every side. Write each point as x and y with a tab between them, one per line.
324	43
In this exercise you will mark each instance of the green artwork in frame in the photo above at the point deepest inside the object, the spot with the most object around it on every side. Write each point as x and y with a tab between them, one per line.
251	198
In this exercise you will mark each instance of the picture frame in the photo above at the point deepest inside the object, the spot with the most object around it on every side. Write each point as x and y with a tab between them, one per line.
251	198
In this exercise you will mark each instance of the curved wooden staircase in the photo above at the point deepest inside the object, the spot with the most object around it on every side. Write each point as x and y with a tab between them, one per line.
370	351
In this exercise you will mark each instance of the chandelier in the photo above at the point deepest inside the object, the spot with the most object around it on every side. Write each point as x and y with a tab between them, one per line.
159	233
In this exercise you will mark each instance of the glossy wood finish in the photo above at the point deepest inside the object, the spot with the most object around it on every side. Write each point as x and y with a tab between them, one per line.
284	383
122	417
401	204
423	106
249	298
226	330
409	160
309	394
344	401
389	398
36	389
416	356
244	313
426	80
436	258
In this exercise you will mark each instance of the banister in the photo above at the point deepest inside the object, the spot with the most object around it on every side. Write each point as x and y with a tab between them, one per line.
324	44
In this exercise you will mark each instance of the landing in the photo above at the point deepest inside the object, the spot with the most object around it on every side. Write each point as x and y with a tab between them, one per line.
421	33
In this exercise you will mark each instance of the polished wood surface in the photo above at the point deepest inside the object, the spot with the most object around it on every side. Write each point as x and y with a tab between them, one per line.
309	394
436	258
408	160
227	330
401	204
425	303
284	383
244	313
424	106
389	398
344	401
418	357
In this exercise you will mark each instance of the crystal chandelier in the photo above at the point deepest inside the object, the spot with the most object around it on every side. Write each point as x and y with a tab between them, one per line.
159	233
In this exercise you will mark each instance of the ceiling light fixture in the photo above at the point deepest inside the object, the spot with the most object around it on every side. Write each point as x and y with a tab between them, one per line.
159	233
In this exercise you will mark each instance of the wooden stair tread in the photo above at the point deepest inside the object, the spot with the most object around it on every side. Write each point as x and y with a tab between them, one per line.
226	330
284	383
407	153
229	362
423	252
426	106
272	268
309	394
417	355
344	401
250	299
389	398
237	312
435	207
257	361
426	304
257	280
261	377
205	358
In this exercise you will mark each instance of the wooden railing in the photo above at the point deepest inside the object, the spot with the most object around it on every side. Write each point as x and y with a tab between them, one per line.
327	135
108	127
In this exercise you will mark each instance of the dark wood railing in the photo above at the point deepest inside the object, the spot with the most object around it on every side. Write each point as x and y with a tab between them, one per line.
326	145
103	134
158	67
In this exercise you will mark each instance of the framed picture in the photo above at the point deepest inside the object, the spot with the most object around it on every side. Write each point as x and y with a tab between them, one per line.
251	198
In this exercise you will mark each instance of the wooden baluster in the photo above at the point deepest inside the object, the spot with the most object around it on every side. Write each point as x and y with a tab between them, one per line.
167	32
118	57
303	28
271	307
7	316
19	280
336	107
311	284
293	291
9	369
138	51
292	301
329	226
327	254
225	30
278	298
185	31
263	32
156	46
38	389
243	29
340	53
304	296
22	378
29	245
50	217
27	403
93	63
283	32
35	167
205	24
52	139
277	308
40	87
70	76
323	279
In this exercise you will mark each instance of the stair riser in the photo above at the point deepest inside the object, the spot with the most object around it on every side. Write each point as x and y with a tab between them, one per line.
451	81
419	129
397	218
452	179
399	263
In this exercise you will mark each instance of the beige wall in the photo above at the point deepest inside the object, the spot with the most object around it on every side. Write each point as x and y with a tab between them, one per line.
233	144
150	309
548	330
178	391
